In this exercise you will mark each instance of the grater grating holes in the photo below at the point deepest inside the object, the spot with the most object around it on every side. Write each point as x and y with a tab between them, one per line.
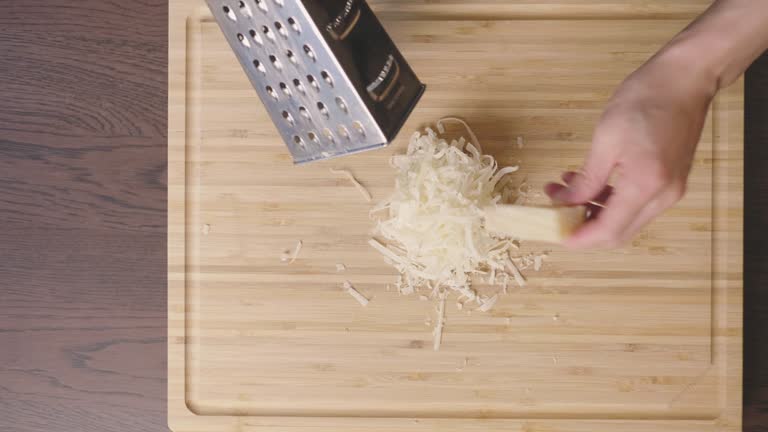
230	13
329	135
291	57
359	128
281	29
305	113
288	117
255	36
342	105
243	40
313	82
245	9
268	33
323	110
327	78
294	25
343	132
309	120
271	92
260	67
262	5
308	51
292	77
275	62
285	89
299	86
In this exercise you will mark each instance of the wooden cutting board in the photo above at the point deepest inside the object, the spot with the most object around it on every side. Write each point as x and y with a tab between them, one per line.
646	338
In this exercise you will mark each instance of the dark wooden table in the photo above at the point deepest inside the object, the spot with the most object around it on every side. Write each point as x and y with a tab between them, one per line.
83	92
756	248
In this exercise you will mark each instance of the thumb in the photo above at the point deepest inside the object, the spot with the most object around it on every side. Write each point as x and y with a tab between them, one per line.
589	182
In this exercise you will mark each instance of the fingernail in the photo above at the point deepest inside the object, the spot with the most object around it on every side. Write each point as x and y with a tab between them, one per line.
568	176
560	196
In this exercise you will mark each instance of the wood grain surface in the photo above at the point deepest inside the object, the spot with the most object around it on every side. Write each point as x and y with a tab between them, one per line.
82	210
82	215
652	336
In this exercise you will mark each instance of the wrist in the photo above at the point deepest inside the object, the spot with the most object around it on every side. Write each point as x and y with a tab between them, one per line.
719	45
683	64
675	75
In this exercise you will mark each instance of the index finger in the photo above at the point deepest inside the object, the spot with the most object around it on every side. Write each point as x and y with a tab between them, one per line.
621	208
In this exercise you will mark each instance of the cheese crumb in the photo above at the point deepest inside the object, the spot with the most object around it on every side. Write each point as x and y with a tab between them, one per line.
355	293
289	257
487	304
438	332
348	174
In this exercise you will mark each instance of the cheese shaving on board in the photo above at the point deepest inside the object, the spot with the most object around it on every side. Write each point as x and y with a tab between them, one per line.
431	230
512	268
438	332
288	256
434	231
348	174
472	136
487	304
355	293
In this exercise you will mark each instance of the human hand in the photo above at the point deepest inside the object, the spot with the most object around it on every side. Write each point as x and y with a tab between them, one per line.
645	140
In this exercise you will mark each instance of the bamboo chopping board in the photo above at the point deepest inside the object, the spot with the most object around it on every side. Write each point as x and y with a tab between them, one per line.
645	338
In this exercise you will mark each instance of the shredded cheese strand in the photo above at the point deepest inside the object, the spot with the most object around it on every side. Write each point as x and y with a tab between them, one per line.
431	230
438	332
472	136
350	289
516	273
296	251
289	257
348	174
487	304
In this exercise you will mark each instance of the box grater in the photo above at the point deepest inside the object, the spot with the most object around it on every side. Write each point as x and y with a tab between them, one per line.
330	77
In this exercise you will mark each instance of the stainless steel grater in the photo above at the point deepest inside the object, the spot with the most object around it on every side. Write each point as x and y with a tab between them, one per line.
330	77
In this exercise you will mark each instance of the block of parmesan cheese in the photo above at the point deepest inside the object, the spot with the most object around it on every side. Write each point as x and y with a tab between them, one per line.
547	224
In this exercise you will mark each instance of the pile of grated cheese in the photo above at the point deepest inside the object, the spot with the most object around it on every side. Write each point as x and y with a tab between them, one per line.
431	228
